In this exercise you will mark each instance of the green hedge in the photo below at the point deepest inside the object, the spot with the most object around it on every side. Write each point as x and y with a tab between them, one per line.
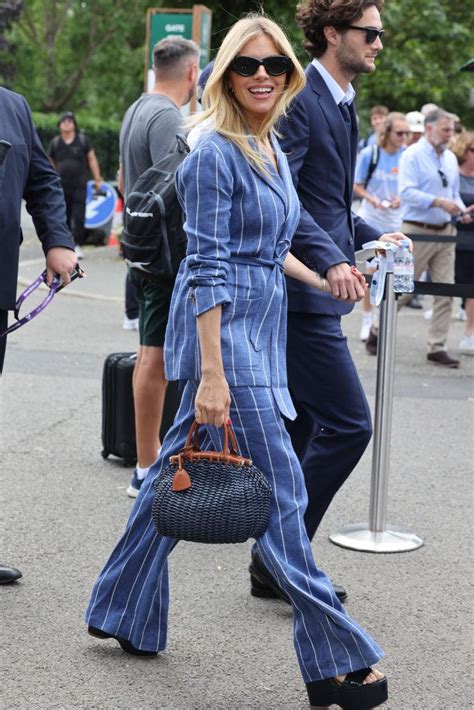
103	134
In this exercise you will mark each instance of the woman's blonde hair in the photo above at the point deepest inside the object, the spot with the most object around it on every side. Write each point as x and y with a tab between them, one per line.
460	143
388	125
221	106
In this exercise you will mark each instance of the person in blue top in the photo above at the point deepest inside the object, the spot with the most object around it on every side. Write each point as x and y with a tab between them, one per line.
226	340
376	182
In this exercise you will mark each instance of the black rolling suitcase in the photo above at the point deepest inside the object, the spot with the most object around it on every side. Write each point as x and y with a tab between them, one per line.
118	411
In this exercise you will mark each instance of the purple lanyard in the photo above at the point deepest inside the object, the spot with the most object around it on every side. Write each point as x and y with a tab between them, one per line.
56	285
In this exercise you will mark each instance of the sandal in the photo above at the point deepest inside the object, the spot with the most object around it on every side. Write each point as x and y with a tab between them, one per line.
351	693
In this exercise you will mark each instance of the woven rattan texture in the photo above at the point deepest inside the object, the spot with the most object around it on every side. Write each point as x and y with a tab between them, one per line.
225	504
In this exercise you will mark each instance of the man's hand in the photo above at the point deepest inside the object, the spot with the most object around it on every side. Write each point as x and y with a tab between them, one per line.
449	206
395	238
345	286
61	261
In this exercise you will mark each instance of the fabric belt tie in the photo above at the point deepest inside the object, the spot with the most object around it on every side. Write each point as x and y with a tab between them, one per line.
426	225
274	289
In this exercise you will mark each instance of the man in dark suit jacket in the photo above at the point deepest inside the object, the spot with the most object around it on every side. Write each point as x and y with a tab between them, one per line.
333	426
26	173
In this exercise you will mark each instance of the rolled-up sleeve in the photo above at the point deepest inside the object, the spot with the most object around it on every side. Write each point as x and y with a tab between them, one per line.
204	186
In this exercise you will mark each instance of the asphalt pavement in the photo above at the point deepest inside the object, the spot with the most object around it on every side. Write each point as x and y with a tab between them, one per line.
64	508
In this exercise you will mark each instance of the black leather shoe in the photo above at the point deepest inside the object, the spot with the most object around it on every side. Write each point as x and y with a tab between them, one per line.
124	643
442	358
371	343
9	574
265	586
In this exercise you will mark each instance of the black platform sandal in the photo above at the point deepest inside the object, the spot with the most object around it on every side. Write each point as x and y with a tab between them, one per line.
125	644
350	694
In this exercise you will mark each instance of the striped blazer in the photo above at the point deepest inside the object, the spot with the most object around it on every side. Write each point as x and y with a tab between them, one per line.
239	225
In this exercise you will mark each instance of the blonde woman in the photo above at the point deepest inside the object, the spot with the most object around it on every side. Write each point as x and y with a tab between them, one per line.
226	341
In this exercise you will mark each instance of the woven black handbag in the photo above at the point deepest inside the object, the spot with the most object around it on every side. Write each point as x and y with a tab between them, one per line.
211	496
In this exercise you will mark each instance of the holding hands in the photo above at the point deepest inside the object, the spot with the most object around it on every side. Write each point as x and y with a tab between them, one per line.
346	283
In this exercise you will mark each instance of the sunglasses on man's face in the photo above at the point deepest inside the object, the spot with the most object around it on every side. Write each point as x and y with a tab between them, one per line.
371	34
401	133
274	66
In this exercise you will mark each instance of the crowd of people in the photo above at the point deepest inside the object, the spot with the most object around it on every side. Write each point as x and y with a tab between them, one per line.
266	193
415	174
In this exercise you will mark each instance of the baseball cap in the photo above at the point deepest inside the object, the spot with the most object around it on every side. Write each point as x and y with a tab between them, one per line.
416	121
203	77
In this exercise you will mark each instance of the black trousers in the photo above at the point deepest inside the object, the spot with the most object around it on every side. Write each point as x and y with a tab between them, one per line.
3	341
75	197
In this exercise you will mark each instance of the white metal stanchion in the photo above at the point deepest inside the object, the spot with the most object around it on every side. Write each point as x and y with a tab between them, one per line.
378	535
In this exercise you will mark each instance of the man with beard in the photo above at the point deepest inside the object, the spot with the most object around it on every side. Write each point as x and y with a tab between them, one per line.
319	136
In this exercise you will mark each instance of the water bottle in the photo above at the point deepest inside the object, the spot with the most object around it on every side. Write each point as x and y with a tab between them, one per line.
403	269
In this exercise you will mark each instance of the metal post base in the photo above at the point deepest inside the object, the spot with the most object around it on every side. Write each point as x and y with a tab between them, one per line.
393	539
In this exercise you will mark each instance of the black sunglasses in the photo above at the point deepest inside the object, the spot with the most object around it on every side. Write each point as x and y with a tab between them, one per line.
274	66
443	177
401	133
371	34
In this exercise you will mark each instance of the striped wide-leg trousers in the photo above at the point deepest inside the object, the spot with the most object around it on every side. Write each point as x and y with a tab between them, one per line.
130	597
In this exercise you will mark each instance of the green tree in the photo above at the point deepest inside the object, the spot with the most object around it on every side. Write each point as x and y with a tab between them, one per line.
425	44
71	51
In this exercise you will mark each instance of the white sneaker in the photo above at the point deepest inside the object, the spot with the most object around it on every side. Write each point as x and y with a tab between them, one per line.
79	252
365	327
130	323
428	315
466	346
461	315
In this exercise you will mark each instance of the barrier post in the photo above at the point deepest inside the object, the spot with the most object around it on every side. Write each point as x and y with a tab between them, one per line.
378	535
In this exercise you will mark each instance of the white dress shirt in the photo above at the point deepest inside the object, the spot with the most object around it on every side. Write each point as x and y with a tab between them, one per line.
339	96
421	182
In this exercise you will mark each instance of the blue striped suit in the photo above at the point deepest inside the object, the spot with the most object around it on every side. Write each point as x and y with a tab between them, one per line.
239	224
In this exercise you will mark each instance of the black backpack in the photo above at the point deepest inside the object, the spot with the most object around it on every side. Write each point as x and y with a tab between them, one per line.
373	164
153	240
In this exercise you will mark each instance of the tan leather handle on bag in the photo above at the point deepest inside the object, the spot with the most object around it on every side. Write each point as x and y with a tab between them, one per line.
192	452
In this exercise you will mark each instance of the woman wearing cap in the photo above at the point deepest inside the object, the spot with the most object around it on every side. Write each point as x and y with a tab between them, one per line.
226	340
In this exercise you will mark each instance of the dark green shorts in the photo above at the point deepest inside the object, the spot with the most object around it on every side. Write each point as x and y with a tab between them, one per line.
153	309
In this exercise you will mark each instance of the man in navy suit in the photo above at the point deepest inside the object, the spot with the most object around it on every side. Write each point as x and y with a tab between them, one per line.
26	173
319	136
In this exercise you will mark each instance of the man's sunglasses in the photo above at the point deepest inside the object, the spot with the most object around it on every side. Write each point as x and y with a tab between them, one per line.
401	133
444	179
274	66
371	34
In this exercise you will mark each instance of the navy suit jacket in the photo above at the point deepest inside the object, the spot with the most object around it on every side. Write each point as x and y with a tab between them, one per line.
322	159
25	173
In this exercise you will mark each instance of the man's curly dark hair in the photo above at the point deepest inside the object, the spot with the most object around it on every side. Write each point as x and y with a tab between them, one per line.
314	15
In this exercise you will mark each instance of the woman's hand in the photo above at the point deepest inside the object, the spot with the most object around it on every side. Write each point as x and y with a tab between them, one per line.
212	403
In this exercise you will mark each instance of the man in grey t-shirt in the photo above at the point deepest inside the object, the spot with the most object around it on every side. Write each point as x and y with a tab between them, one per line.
148	133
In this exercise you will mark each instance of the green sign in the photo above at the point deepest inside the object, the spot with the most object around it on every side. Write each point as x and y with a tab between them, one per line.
172	24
